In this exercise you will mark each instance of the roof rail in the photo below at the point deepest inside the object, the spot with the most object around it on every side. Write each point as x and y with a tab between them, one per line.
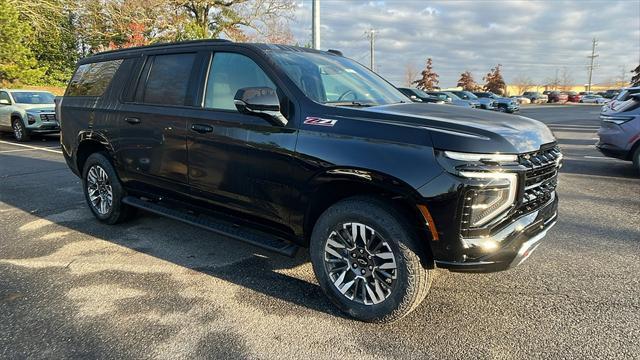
161	44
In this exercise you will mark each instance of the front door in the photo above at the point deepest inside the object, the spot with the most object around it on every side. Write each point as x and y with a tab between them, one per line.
237	160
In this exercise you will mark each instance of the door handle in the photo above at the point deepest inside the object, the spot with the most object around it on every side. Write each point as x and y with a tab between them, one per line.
199	128
132	120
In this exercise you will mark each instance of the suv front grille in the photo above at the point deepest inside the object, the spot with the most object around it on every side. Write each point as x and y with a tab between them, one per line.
48	117
541	178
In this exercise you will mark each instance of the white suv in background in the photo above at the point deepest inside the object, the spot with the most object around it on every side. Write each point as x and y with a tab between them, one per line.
26	112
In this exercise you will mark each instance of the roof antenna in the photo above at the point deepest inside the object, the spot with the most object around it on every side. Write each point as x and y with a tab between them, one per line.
335	52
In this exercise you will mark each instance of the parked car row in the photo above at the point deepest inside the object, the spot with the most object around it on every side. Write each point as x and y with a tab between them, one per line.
476	100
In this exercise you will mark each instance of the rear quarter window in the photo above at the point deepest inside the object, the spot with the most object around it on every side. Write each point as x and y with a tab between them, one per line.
92	79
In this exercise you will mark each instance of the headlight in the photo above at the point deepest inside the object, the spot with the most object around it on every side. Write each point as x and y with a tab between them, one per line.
485	202
31	119
616	119
472	157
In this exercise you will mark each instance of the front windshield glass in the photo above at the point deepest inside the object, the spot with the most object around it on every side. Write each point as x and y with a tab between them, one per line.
452	95
335	80
470	95
24	97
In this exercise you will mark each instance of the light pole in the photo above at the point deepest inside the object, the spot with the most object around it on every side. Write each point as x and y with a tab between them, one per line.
315	28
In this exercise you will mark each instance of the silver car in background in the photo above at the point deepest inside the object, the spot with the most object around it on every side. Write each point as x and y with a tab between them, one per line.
483	103
26	112
619	133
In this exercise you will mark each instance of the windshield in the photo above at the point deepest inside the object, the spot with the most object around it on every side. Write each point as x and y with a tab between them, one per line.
38	97
470	95
335	80
452	95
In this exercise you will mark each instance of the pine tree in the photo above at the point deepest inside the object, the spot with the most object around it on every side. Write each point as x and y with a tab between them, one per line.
466	82
17	62
494	81
429	79
635	80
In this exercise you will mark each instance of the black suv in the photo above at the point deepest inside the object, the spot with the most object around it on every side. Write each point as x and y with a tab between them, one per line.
287	147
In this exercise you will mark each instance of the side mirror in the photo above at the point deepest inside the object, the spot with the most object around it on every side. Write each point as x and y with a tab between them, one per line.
5	102
260	101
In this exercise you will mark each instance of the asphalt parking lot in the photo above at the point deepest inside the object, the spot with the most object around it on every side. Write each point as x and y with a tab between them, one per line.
71	287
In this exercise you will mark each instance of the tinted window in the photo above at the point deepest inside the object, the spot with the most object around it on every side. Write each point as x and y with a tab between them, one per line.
92	79
168	79
229	73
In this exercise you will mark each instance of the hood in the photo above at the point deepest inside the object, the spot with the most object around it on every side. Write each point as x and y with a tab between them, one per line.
37	108
471	130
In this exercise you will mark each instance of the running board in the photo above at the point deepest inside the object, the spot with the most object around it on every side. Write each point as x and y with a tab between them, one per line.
253	237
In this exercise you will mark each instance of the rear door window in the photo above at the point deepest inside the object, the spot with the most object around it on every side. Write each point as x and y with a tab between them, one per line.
92	79
230	72
168	79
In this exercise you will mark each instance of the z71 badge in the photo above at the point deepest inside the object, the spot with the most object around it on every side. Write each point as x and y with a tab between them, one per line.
319	121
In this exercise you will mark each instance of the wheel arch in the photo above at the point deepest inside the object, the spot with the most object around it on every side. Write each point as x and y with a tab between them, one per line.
337	184
17	115
90	142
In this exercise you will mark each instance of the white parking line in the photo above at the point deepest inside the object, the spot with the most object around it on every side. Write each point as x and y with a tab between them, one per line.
600	158
31	147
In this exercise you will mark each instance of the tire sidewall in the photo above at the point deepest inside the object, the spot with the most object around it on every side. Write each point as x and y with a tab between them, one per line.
23	130
113	215
389	228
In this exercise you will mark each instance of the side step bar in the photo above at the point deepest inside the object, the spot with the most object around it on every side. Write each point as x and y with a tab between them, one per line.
253	237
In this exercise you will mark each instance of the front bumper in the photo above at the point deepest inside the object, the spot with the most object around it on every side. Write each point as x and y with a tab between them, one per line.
516	242
42	123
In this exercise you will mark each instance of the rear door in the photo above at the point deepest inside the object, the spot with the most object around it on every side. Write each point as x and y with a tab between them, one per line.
152	139
237	160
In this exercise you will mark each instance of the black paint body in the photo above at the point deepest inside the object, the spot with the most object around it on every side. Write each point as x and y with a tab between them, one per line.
282	177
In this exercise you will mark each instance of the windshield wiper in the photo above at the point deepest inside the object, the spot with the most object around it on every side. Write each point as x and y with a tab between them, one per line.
349	103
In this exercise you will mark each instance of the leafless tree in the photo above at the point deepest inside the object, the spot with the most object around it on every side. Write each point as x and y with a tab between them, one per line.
523	83
566	81
410	73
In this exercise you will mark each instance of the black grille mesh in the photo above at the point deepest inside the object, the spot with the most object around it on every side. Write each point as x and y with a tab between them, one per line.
541	178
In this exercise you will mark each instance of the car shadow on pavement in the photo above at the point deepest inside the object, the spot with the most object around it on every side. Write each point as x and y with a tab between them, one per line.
233	261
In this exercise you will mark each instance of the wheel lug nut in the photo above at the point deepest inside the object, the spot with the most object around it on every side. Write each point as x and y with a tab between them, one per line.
362	272
370	267
353	255
355	265
361	251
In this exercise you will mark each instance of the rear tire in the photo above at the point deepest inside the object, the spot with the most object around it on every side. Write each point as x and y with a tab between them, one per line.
103	190
20	131
379	282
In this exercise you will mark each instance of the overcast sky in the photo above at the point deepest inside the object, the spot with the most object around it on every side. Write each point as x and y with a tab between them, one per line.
528	38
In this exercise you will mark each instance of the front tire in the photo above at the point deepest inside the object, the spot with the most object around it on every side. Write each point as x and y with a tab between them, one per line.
103	190
20	131
367	259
